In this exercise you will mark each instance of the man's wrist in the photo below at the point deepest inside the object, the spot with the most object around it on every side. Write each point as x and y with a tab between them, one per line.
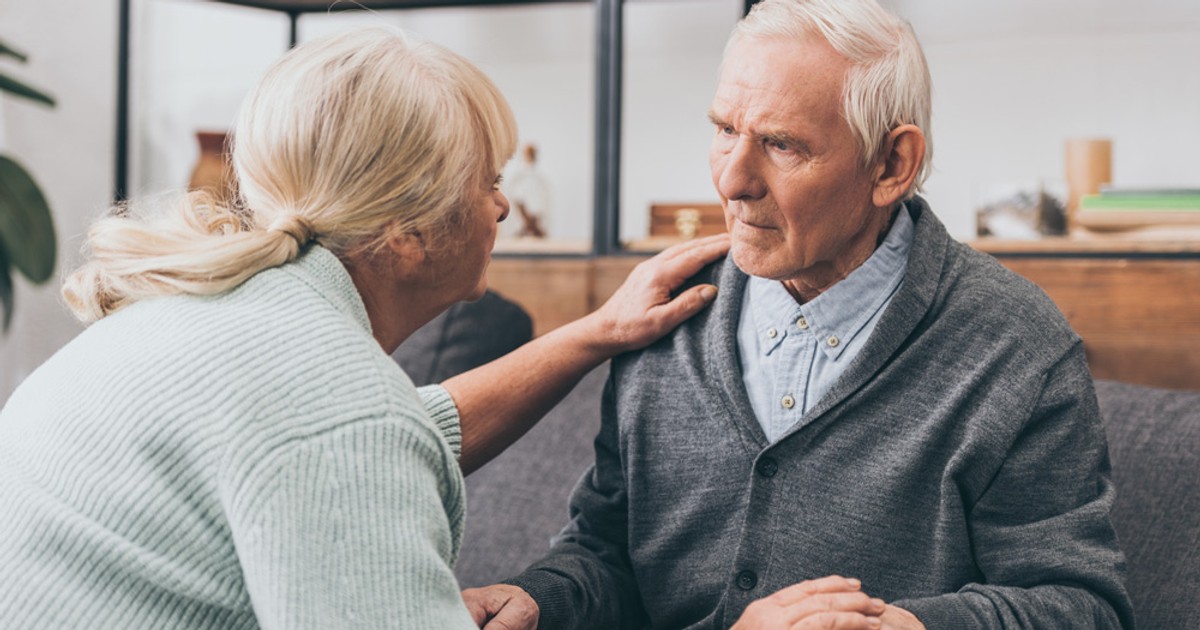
549	594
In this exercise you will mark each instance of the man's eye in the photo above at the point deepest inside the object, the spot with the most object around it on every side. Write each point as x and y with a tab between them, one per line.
779	145
727	130
499	180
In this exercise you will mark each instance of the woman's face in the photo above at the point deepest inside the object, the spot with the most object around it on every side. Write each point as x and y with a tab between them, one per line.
488	208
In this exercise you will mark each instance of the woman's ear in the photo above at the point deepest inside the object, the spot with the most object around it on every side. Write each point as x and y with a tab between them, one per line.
408	246
901	158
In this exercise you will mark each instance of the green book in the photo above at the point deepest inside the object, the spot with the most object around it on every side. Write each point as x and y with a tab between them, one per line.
1182	201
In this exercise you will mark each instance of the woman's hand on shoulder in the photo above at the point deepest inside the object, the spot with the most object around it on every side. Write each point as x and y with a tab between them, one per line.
643	309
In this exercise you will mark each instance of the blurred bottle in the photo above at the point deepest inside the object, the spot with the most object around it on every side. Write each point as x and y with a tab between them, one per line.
213	171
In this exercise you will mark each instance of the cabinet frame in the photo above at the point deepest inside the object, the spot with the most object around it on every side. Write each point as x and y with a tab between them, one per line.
606	211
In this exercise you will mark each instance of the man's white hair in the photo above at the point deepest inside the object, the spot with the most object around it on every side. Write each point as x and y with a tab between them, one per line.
889	82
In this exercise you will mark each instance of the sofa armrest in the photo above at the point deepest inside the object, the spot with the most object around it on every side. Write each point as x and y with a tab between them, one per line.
1154	443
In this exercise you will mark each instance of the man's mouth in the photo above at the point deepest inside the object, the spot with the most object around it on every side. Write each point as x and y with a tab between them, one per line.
739	214
752	223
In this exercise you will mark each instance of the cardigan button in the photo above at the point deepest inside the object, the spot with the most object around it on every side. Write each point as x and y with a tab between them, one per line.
747	580
767	467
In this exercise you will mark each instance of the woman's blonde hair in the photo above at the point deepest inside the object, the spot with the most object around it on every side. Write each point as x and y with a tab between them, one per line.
343	141
889	83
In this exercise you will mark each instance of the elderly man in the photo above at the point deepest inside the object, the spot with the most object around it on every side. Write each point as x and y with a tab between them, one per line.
868	398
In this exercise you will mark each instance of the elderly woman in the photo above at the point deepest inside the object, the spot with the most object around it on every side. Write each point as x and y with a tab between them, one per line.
229	444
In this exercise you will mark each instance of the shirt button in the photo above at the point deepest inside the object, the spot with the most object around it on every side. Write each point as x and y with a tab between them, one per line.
832	341
788	402
747	580
802	323
767	467
772	333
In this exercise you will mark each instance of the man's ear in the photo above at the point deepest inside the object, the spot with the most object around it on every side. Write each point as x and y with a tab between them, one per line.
903	152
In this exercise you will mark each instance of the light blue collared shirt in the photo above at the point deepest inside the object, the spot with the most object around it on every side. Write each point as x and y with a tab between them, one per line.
793	353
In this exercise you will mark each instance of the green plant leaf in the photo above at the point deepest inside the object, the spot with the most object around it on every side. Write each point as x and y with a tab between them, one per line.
13	86
6	50
26	227
6	288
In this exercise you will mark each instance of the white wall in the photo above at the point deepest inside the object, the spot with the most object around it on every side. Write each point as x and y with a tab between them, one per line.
72	50
542	57
189	82
671	54
192	64
1012	80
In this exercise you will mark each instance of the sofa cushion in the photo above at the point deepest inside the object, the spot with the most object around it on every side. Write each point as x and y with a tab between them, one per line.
518	501
465	336
1154	442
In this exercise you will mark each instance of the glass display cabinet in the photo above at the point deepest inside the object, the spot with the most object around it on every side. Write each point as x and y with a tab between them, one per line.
610	98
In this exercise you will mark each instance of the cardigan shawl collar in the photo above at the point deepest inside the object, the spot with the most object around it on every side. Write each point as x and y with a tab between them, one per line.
926	260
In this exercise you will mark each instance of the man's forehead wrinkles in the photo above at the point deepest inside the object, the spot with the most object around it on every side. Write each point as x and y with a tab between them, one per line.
766	120
761	100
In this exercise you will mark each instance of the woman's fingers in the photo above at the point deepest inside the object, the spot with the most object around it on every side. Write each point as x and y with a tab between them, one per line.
684	306
682	261
685	248
642	309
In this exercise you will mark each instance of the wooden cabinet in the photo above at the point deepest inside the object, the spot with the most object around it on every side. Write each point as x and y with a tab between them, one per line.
1136	305
559	290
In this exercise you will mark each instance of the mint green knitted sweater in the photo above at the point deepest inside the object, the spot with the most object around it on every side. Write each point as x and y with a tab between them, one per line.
252	459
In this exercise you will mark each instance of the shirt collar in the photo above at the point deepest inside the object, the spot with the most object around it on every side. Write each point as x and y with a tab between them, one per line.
837	316
770	307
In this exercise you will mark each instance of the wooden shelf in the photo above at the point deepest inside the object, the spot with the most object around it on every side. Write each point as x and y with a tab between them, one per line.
541	246
1135	303
1137	307
651	244
1141	244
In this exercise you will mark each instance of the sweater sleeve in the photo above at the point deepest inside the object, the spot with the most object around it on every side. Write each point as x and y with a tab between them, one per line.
587	581
350	528
441	408
1043	539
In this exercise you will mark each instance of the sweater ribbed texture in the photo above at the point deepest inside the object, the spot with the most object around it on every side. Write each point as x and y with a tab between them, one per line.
246	460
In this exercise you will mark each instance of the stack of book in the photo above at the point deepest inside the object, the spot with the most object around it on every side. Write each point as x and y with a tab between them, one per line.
1118	209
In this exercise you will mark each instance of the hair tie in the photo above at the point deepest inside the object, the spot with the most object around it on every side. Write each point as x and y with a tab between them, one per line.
294	226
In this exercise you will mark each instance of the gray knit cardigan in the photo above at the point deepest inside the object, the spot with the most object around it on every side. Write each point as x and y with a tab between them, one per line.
959	469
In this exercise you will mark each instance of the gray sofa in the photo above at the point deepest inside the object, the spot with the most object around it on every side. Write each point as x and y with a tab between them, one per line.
517	502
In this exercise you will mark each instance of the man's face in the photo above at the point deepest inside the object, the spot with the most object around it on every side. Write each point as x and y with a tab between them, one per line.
797	199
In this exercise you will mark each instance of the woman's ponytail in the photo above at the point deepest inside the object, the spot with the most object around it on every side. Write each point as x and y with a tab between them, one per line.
200	247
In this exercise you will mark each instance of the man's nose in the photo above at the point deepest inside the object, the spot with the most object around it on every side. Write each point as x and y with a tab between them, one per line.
740	177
